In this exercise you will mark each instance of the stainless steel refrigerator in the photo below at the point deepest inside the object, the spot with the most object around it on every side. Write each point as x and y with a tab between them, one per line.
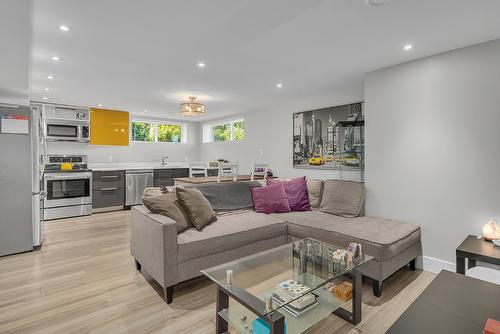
21	226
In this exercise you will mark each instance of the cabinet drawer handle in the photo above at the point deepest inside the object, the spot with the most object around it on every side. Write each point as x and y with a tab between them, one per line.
109	177
108	189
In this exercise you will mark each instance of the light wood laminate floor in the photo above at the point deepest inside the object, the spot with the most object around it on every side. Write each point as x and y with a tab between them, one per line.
83	280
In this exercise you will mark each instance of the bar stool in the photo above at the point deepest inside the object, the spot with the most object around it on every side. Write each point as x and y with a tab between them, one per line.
259	170
198	169
228	169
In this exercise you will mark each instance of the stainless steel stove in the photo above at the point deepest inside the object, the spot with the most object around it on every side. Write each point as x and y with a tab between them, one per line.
69	193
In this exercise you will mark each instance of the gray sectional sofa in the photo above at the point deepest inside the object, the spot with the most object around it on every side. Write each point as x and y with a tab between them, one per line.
171	258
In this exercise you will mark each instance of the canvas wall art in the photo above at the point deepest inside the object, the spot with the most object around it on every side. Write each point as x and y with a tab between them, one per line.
329	138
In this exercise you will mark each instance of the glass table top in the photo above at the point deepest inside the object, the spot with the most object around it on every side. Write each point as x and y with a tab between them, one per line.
286	274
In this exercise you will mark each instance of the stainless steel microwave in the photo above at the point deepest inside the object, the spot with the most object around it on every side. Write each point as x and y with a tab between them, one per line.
63	123
64	130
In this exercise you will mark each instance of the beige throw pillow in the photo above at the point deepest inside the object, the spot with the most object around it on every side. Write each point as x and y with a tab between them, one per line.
343	198
196	206
168	205
314	188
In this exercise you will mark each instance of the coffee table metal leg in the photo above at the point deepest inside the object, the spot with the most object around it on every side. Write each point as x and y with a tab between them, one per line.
277	323
353	317
461	265
221	325
471	263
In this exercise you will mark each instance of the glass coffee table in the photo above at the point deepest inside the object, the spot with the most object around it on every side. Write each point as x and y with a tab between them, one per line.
285	289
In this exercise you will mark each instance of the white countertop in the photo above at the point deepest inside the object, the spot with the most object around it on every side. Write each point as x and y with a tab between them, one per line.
139	165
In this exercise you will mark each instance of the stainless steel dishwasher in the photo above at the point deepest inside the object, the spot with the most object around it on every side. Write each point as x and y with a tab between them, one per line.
137	181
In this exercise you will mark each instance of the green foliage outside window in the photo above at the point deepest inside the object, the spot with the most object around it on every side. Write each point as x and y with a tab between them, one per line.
169	133
222	132
238	130
142	131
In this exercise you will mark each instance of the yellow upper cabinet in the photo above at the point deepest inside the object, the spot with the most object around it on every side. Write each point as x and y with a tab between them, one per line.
109	127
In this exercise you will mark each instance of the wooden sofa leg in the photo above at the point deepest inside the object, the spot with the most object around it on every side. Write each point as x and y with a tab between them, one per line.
168	294
137	265
412	264
377	288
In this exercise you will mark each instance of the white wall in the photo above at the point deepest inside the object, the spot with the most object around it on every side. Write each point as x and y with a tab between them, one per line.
271	131
432	146
135	152
15	39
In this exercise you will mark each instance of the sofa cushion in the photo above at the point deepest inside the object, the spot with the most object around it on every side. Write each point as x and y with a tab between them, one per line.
296	193
314	188
228	232
168	205
196	206
227	196
343	198
381	238
270	199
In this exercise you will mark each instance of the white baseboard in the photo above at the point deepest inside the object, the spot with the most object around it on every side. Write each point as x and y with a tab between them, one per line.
434	265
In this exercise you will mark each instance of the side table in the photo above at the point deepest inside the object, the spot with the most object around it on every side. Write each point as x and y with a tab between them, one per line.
474	249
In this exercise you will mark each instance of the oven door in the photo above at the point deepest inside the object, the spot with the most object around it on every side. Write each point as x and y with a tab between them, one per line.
55	131
64	189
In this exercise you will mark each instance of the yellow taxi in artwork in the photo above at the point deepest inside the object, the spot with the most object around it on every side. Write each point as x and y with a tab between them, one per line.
317	160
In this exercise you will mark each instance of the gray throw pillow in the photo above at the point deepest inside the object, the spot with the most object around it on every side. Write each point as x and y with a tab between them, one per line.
168	205
314	189
343	198
196	206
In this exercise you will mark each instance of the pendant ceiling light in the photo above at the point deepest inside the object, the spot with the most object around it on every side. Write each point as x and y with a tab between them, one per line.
192	108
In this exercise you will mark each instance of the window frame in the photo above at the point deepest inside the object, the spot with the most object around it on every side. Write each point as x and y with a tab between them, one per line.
208	130
155	123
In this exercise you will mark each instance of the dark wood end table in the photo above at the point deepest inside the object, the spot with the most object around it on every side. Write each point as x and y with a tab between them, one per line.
474	249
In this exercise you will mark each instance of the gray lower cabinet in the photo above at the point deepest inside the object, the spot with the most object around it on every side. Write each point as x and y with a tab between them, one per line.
165	177
108	190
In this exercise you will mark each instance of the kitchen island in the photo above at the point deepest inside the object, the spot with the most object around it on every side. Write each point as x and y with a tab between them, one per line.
181	181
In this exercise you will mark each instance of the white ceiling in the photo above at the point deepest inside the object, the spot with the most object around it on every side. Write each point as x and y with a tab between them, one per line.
135	55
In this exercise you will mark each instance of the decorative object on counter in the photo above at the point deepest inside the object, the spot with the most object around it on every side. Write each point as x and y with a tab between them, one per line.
343	291
491	230
213	164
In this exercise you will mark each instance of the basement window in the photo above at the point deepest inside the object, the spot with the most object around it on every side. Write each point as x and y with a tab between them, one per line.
153	131
229	130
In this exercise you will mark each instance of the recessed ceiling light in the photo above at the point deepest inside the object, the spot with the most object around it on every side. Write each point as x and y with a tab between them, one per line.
56	58
99	105
407	47
50	77
45	97
46	89
201	64
279	85
378	3
63	27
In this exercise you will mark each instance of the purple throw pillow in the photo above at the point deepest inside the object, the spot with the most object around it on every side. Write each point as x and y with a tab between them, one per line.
296	193
270	199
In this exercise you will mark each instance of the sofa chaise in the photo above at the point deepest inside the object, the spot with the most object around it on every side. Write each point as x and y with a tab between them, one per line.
171	258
